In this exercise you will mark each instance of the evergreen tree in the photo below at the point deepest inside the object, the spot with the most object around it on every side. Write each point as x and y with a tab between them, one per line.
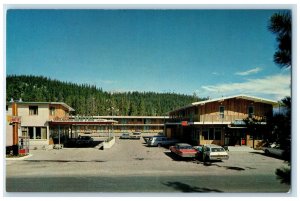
90	100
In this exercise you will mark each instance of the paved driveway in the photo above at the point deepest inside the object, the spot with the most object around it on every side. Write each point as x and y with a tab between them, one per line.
130	166
132	157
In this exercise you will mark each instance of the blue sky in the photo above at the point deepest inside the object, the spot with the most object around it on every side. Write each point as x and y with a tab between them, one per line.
208	52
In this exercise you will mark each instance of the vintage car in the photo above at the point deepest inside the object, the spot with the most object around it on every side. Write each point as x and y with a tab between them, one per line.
212	152
136	135
183	150
84	140
274	150
146	138
158	141
128	136
125	136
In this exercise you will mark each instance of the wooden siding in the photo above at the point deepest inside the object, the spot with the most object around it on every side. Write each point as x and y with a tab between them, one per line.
235	109
60	112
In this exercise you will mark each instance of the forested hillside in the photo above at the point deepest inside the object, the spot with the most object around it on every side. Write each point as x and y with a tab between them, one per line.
90	100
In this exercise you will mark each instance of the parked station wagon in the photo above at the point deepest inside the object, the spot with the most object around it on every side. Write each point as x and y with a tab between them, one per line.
160	141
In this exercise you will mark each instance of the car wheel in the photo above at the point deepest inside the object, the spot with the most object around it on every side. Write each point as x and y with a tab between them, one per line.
159	145
267	152
206	159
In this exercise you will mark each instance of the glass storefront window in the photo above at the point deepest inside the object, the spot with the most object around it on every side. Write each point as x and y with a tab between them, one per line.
30	132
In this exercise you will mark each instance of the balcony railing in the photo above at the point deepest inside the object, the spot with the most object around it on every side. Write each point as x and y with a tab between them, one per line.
215	119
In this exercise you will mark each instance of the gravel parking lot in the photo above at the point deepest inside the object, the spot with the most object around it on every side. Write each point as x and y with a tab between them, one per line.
133	157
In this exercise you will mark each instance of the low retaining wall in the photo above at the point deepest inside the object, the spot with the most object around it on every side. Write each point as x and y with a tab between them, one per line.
107	145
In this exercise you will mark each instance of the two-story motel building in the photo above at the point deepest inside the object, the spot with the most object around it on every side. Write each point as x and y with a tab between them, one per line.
221	121
42	122
33	120
217	121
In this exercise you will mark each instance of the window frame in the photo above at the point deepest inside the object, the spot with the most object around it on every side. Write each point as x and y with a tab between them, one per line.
33	110
32	131
52	111
222	113
250	114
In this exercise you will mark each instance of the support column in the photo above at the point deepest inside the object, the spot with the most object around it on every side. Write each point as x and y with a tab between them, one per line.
15	129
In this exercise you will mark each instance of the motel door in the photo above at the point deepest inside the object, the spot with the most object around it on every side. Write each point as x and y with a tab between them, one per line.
237	137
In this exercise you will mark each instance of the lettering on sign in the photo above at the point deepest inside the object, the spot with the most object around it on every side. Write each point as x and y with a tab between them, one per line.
184	123
15	119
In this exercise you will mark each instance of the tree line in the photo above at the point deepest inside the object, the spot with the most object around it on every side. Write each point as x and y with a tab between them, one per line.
90	100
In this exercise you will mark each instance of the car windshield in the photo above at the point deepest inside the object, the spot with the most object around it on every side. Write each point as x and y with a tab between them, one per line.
217	150
199	148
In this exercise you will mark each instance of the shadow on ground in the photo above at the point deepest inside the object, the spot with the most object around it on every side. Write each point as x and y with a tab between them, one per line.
72	144
205	163
188	188
153	147
65	161
267	155
226	167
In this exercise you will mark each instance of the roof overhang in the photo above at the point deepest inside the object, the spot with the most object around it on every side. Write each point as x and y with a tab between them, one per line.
70	109
64	105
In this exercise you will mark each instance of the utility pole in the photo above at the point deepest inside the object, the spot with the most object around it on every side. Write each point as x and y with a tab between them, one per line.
111	111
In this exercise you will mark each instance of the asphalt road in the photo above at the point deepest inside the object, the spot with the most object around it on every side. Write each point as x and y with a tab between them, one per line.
149	184
130	166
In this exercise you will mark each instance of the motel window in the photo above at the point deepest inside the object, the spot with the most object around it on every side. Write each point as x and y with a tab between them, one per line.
205	134
35	132
38	133
33	110
222	109
212	134
218	132
30	132
43	132
257	136
195	135
250	111
52	111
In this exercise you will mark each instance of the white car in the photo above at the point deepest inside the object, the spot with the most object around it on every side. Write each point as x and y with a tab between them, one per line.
214	152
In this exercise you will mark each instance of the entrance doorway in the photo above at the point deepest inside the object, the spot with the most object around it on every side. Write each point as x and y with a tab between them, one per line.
236	137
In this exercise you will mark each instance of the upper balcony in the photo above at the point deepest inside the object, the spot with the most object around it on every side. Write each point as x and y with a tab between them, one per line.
216	119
